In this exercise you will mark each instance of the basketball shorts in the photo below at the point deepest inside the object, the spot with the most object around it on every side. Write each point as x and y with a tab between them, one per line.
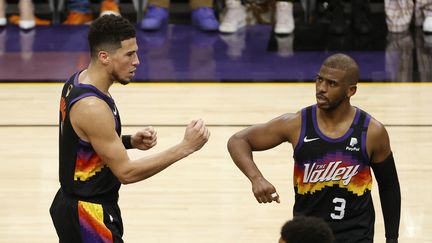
79	221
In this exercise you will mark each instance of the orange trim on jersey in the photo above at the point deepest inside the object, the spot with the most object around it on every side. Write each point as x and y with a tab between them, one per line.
63	108
86	168
91	219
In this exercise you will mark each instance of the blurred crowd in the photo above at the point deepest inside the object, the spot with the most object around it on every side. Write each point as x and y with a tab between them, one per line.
232	15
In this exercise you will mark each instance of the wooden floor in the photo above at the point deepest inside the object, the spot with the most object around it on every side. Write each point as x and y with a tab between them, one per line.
204	198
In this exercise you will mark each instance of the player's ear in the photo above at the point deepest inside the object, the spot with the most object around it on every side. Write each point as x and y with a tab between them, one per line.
104	57
352	89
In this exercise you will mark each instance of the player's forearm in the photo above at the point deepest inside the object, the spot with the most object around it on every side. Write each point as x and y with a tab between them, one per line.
146	167
391	206
241	154
390	196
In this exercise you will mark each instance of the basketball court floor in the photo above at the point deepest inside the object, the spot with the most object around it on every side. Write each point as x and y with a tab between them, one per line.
230	82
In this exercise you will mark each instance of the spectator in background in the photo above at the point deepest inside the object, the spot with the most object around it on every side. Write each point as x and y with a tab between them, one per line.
203	15
400	12
360	15
235	17
80	11
26	19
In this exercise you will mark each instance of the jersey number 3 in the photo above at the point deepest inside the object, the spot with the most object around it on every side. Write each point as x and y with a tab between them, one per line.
339	208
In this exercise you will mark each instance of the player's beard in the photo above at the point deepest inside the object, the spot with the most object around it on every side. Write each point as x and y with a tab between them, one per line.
332	105
120	80
123	82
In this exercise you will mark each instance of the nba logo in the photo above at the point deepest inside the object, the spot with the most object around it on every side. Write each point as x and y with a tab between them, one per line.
353	142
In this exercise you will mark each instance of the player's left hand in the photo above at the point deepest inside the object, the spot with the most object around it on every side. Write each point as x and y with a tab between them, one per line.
144	139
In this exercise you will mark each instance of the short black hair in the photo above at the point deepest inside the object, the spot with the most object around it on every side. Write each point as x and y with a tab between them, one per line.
302	229
345	63
107	32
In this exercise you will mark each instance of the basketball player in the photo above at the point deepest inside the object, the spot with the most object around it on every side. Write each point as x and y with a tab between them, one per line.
306	229
335	146
93	159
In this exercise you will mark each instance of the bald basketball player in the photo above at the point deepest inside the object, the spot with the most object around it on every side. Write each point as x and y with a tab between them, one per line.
335	146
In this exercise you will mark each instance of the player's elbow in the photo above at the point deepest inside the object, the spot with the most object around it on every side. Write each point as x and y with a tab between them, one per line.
126	177
232	141
237	139
135	175
125	181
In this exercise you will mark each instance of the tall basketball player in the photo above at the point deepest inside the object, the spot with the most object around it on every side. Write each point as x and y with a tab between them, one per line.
93	160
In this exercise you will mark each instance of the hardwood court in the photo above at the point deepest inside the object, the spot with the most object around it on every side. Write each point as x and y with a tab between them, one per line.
204	198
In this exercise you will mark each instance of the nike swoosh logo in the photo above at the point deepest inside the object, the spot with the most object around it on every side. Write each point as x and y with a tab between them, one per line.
306	140
115	111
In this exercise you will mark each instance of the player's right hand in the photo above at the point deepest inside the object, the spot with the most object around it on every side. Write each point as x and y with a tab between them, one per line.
264	191
196	135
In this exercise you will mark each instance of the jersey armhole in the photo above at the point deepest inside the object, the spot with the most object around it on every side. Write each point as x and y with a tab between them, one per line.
364	137
302	131
75	100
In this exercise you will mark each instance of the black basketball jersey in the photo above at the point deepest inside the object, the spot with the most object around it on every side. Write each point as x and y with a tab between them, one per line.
82	172
332	178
